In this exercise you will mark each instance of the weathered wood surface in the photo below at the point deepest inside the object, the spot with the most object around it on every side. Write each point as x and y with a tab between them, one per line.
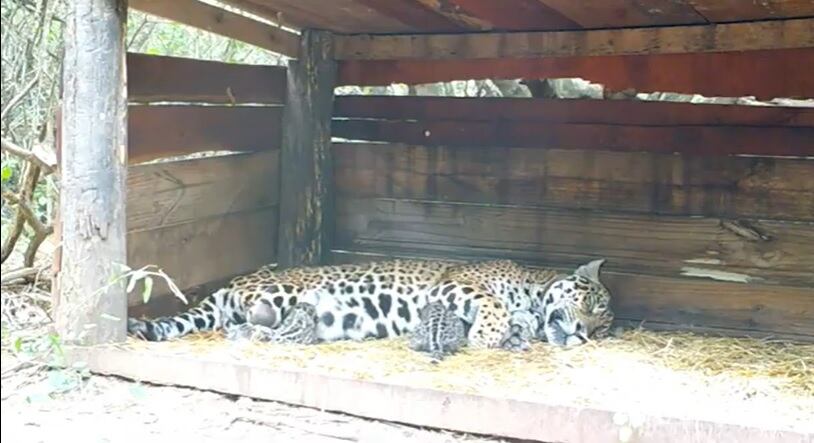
169	193
717	250
222	22
487	15
306	177
415	15
504	417
778	34
451	16
153	78
206	249
616	112
163	131
766	74
723	187
737	10
93	168
744	309
666	303
695	140
345	16
626	13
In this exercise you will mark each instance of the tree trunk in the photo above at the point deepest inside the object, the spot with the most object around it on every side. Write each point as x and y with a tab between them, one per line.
88	309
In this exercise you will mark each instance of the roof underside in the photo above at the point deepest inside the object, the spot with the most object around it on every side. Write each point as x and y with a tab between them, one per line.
453	16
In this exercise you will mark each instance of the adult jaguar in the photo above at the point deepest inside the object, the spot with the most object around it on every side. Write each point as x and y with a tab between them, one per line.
504	304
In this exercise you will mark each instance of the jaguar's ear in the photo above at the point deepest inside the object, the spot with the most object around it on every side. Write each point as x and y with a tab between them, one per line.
590	270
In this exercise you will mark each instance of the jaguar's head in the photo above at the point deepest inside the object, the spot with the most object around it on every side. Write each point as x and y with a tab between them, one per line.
576	308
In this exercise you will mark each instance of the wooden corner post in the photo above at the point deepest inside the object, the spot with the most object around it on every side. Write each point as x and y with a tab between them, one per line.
88	308
306	166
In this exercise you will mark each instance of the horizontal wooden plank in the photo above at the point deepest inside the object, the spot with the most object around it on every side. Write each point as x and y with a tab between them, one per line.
415	15
725	187
205	250
514	15
765	74
612	112
778	34
689	303
222	22
163	131
696	140
153	78
627	13
341	16
711	249
168	193
663	303
737	10
538	419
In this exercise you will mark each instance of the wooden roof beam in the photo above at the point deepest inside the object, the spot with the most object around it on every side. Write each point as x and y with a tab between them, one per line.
222	22
776	34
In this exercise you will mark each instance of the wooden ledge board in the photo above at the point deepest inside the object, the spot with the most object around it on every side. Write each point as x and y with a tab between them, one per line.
475	414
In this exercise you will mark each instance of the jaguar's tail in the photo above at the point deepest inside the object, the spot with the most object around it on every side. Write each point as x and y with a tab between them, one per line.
210	314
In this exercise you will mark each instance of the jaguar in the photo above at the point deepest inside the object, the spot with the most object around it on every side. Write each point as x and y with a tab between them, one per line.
502	303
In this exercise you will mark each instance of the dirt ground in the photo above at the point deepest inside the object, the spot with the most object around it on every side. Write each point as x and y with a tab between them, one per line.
107	409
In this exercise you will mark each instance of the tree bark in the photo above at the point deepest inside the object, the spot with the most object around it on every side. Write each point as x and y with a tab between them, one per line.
93	166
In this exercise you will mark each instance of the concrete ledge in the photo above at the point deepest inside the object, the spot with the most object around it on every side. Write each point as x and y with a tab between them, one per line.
476	414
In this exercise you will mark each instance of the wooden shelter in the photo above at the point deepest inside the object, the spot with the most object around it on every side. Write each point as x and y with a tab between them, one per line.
704	212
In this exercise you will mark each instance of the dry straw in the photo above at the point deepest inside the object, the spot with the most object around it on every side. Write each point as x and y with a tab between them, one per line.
669	373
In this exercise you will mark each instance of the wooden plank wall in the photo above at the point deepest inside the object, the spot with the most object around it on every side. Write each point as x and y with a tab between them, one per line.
700	239
182	106
201	219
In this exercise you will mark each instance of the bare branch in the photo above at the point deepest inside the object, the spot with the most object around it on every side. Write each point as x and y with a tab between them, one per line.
22	274
46	165
28	214
19	97
34	245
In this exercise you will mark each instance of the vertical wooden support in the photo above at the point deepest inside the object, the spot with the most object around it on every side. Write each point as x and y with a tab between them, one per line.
88	309
306	166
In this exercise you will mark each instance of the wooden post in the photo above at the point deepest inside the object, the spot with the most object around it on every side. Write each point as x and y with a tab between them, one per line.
306	166
88	309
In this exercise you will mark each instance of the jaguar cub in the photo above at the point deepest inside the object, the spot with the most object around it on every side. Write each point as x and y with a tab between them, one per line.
440	331
298	327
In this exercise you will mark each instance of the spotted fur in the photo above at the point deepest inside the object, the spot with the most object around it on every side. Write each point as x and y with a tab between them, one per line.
439	332
298	327
383	299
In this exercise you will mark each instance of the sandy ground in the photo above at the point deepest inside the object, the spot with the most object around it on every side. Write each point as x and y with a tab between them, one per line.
106	409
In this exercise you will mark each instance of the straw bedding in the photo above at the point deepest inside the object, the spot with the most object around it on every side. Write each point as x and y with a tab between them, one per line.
734	380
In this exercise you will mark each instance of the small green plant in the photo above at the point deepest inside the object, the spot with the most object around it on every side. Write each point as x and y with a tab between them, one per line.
45	352
125	275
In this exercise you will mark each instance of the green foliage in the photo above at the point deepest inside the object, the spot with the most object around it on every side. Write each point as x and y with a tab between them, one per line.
6	173
45	351
123	274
